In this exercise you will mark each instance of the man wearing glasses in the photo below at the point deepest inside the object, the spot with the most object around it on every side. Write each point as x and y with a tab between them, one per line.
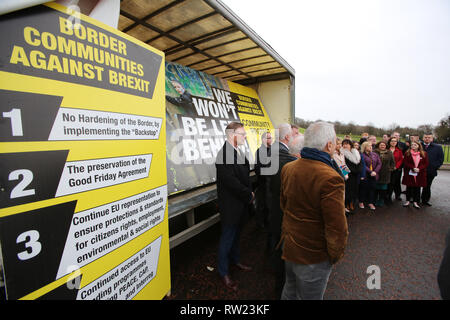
234	194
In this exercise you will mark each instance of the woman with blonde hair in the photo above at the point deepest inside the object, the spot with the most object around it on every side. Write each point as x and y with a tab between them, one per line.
369	184
338	156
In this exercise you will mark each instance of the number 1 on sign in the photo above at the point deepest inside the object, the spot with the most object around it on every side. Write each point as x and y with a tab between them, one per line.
16	121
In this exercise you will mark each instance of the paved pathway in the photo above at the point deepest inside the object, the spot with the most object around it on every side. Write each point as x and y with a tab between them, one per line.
405	243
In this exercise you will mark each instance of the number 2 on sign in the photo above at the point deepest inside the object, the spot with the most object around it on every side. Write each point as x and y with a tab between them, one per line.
16	121
32	245
19	190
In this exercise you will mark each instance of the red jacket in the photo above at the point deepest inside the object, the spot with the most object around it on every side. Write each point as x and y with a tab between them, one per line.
398	156
421	178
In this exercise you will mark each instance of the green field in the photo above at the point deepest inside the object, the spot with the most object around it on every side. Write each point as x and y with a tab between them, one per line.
446	153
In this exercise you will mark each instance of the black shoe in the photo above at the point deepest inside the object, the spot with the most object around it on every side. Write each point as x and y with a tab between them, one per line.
230	284
243	267
426	204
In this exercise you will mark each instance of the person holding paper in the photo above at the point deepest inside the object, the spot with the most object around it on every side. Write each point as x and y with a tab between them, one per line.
415	166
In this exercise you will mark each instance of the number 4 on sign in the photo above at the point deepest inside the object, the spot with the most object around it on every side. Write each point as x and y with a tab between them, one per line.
16	121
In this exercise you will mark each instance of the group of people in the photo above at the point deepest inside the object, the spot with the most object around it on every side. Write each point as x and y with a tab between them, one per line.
307	185
374	171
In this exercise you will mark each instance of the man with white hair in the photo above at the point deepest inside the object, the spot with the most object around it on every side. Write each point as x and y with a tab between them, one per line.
280	155
314	228
296	145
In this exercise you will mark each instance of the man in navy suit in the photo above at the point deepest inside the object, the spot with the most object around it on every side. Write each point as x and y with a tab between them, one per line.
435	159
234	193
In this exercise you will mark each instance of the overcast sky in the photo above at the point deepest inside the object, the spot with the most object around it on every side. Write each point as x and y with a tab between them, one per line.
366	61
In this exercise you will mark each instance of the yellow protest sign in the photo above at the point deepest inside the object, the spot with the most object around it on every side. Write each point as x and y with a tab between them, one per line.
83	211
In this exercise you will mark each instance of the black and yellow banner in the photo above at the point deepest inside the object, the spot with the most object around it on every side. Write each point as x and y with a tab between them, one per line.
83	200
199	107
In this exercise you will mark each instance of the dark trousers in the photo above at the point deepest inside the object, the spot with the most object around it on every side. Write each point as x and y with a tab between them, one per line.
395	186
413	193
367	190
380	195
228	248
426	191
262	208
277	262
351	190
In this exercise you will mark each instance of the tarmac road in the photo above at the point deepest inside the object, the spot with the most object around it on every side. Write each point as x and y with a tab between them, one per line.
406	244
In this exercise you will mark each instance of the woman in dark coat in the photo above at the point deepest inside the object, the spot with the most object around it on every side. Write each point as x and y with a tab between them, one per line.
387	166
415	165
353	162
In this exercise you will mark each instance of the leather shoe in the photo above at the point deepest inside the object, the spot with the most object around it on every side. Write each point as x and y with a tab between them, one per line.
243	267
229	283
427	204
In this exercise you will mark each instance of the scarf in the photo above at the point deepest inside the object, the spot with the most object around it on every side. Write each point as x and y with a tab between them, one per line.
314	154
416	157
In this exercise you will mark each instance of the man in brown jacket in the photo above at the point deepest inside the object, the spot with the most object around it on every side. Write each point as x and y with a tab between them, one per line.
314	229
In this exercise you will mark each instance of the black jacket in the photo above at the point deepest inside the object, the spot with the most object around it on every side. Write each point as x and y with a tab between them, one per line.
184	101
435	158
275	212
234	190
262	157
402	146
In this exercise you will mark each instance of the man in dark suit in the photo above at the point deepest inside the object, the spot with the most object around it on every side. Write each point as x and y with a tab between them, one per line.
234	196
262	158
435	160
280	155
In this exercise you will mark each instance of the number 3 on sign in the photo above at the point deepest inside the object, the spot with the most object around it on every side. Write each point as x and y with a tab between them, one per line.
32	245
